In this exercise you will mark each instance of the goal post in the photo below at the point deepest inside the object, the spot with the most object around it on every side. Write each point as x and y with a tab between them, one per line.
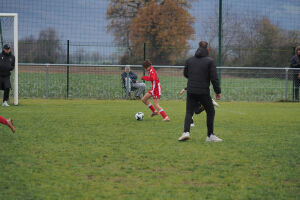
14	17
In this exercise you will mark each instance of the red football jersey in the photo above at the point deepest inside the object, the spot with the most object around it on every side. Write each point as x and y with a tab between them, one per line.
156	88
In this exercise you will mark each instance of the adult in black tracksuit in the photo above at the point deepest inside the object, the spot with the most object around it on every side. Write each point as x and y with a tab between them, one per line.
7	64
200	70
295	63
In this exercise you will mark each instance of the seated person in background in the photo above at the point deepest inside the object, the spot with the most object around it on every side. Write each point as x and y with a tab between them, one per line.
131	82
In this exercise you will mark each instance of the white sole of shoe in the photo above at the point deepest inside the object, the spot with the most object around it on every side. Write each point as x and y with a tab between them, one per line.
214	141
183	139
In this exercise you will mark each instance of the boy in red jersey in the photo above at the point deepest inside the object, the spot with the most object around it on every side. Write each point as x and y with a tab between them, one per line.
8	123
155	92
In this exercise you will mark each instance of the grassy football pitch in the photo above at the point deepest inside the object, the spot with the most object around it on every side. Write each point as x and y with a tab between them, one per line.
95	149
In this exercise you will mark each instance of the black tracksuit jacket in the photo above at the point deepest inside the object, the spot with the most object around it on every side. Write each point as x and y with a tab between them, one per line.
7	64
200	70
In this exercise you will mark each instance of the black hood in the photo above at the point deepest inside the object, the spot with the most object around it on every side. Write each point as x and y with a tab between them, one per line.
201	52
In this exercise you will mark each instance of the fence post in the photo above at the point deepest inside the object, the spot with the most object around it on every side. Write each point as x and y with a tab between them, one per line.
47	81
286	83
293	87
142	66
144	59
127	82
1	36
68	68
220	39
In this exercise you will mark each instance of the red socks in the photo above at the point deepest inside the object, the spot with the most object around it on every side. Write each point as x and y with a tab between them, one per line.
151	107
3	121
163	114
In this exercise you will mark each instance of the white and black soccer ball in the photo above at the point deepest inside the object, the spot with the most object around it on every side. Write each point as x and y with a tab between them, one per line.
139	116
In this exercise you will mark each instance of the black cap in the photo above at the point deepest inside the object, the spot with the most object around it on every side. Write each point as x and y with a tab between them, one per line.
6	46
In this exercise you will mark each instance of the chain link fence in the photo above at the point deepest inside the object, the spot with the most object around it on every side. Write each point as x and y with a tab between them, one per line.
104	82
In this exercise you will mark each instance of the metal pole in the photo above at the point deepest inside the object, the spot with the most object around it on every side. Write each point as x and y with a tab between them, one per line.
68	67
286	83
143	67
1	36
293	75
220	39
144	59
16	49
127	82
47	81
293	87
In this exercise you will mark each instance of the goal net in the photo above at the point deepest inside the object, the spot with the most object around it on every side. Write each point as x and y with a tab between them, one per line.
9	35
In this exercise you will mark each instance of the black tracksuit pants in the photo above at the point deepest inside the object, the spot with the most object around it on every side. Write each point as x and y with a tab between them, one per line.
205	100
5	85
296	87
6	94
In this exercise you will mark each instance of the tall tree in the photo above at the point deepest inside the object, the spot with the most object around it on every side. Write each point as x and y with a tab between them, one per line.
266	40
48	46
165	28
273	44
27	49
236	31
120	14
249	40
45	49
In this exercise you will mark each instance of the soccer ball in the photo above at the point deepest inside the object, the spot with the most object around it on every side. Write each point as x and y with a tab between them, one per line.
139	116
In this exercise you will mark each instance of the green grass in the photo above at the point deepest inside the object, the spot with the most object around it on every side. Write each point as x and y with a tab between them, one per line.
95	149
33	85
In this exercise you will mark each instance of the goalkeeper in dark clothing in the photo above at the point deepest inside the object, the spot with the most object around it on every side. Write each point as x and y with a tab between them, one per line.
7	64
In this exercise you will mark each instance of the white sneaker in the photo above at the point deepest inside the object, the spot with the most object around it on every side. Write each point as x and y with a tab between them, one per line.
184	136
213	138
5	103
192	125
215	103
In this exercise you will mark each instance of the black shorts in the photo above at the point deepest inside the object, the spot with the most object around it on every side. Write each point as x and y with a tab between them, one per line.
5	82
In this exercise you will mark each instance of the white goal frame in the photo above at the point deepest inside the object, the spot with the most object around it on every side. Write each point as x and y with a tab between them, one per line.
16	50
